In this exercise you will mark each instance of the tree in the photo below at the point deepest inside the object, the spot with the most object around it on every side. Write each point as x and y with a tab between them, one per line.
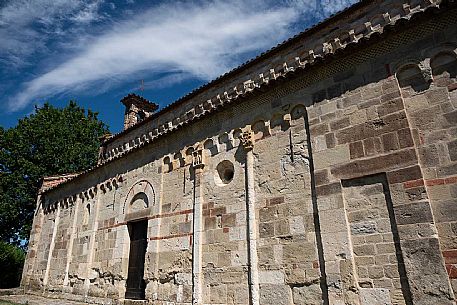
50	141
11	262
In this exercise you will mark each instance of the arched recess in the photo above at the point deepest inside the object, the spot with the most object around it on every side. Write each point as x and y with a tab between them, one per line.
277	123
140	197
178	160
236	136
411	76
225	143
167	164
444	65
298	112
210	147
188	155
260	130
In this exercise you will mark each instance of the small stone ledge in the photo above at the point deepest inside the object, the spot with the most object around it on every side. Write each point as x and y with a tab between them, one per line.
135	302
30	299
11	291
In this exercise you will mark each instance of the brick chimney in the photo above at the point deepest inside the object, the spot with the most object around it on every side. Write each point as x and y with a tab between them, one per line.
137	108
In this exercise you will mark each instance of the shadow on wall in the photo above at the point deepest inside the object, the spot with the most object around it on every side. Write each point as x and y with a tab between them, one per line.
412	76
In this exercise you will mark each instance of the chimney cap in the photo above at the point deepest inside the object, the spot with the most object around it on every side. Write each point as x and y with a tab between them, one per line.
140	102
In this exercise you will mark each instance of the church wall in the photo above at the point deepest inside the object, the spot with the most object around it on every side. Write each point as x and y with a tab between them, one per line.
433	116
288	261
41	262
353	168
59	251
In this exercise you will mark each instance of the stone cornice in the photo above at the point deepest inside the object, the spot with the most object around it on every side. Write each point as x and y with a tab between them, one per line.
88	194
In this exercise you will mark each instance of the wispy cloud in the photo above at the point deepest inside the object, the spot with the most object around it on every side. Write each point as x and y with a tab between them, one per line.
27	25
185	39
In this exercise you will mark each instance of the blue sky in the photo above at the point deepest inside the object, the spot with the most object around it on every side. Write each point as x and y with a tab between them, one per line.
97	51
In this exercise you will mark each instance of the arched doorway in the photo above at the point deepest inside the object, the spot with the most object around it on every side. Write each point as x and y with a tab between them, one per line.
137	207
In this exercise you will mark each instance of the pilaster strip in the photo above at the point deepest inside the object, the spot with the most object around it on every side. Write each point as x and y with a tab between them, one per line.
92	241
247	142
197	280
51	246
77	203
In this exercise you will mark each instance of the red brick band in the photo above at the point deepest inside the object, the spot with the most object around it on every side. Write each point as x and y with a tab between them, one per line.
170	236
183	212
430	182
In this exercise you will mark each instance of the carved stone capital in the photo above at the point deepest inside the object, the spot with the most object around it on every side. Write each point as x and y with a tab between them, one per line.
247	139
197	159
426	71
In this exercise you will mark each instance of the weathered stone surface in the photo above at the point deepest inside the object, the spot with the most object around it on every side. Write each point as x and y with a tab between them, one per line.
428	271
307	295
375	296
336	183
275	294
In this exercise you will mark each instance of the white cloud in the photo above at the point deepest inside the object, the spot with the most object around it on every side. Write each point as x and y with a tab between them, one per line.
27	25
199	40
89	13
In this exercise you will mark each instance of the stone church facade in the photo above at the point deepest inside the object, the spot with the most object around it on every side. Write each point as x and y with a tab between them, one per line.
323	171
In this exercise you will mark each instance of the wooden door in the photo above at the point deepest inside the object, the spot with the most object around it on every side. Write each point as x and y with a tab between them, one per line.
138	243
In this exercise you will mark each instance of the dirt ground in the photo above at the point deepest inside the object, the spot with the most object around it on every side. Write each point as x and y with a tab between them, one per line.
33	300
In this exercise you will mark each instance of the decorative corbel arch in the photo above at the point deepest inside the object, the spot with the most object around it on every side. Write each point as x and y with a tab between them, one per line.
167	164
444	59
413	73
211	148
298	112
225	142
260	129
279	122
188	154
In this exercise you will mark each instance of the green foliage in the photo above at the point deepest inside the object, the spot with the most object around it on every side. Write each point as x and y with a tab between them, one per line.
11	262
48	142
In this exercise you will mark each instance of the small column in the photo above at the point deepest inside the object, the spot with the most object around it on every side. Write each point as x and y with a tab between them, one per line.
93	192
197	164
247	141
51	245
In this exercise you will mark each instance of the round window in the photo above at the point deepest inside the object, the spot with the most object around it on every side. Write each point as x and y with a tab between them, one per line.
224	172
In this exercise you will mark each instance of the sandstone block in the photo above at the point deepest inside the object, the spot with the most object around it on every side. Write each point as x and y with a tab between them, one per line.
413	213
307	295
271	277
375	296
275	294
333	156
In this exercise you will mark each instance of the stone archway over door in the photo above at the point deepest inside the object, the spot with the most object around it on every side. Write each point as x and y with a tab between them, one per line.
138	206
